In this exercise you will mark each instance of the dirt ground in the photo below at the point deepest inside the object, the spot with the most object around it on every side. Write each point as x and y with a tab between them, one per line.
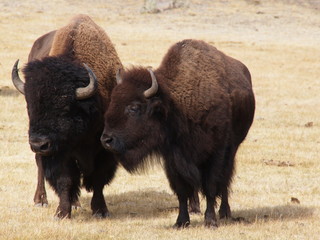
275	192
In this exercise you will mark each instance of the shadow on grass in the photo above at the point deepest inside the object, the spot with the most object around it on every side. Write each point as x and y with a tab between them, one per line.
136	204
153	204
265	214
280	212
142	204
6	91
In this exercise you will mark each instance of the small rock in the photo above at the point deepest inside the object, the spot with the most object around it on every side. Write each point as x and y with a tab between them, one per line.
309	124
295	200
271	162
157	6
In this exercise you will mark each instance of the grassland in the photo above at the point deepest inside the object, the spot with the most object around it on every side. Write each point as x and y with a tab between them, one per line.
277	40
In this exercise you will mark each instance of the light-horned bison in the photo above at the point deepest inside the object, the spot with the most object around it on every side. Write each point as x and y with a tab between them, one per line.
67	93
194	111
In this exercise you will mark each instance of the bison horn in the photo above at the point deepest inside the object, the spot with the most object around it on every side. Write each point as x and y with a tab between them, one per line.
154	87
119	76
88	91
16	79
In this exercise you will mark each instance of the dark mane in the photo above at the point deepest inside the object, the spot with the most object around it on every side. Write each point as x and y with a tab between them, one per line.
55	71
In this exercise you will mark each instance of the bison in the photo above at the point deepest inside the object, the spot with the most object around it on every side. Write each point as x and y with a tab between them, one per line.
67	93
194	111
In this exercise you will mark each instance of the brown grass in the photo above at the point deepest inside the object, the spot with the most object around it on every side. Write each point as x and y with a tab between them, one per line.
278	41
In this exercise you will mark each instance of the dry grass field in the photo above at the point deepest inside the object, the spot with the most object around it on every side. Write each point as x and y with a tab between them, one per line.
276	190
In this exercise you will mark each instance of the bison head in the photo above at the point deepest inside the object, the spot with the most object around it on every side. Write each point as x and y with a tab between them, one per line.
133	121
59	100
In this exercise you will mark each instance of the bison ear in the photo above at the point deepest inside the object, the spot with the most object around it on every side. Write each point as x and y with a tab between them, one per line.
157	108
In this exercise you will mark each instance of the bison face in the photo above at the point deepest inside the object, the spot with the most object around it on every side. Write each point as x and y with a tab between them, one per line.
133	123
54	128
58	118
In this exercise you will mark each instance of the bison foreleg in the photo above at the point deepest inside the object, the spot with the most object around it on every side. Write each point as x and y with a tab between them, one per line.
40	196
105	169
64	208
98	204
68	188
183	219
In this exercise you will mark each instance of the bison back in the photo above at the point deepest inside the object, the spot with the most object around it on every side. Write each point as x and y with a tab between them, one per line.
199	77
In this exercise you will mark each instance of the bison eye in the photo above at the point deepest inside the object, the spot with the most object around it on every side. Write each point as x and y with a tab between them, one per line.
133	109
66	109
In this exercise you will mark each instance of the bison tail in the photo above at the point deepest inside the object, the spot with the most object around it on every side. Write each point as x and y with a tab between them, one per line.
242	113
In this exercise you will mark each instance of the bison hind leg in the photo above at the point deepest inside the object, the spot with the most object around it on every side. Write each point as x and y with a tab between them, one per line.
40	200
40	196
224	211
223	185
194	203
99	207
210	220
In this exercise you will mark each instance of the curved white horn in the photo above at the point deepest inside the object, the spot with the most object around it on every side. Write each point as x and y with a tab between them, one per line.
154	87
88	91
17	82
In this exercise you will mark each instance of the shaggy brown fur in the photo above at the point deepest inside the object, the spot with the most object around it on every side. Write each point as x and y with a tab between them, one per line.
232	80
86	41
200	114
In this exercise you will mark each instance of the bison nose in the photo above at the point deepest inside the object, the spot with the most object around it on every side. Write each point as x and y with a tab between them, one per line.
106	140
40	145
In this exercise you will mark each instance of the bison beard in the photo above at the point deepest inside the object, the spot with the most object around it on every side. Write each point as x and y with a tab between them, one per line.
196	117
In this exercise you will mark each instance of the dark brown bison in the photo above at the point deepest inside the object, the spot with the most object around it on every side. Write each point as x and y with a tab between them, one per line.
66	100
195	115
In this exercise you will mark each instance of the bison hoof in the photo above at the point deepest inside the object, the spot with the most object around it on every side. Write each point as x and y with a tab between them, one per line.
62	214
60	217
211	224
41	201
224	213
101	214
76	205
45	205
181	225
